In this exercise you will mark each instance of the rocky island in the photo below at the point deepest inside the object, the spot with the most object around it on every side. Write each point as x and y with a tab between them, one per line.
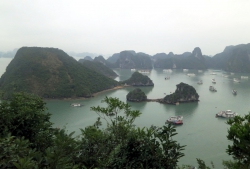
137	95
183	93
138	79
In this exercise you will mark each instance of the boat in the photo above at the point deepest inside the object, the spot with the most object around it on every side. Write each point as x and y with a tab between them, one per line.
133	70
213	81
244	77
234	92
200	71
177	120
226	114
200	82
191	74
166	78
76	105
213	73
236	80
167	70
185	70
211	88
144	71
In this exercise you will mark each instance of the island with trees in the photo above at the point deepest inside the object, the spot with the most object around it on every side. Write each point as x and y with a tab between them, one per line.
138	79
184	93
137	95
51	74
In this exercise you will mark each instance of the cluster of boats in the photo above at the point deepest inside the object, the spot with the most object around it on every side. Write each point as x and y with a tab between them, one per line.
212	88
178	120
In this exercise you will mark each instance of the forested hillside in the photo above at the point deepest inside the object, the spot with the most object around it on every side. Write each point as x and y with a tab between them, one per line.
51	73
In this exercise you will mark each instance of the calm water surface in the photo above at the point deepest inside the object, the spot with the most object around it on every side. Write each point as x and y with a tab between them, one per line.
204	135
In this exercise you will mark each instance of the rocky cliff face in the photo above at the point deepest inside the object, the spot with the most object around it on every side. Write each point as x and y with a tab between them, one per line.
183	93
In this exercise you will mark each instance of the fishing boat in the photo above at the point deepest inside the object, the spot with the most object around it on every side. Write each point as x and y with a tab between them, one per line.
213	81
234	92
236	80
76	105
177	120
211	88
226	114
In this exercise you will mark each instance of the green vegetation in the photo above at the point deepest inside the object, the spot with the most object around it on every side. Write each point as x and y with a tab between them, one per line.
28	140
138	79
99	68
136	95
183	93
51	73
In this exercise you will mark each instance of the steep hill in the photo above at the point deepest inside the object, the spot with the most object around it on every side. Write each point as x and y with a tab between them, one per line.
138	79
51	73
98	67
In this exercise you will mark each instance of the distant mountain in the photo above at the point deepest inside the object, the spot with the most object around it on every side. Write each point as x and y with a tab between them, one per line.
98	67
51	73
233	59
113	58
102	60
88	58
9	54
187	60
133	60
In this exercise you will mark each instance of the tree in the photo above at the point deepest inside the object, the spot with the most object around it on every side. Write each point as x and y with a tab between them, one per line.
238	133
24	116
122	145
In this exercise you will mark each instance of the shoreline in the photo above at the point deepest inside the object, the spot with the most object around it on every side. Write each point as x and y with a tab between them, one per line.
93	95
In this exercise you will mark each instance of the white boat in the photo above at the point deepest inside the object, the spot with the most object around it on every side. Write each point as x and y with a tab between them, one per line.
211	88
133	70
144	71
226	114
191	74
213	73
236	80
232	73
75	105
200	82
200	71
234	92
175	120
244	77
213	81
185	70
167	70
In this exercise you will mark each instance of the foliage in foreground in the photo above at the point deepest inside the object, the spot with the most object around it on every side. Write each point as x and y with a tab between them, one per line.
28	140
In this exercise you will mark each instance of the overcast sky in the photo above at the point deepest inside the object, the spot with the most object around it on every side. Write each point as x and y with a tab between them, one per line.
110	26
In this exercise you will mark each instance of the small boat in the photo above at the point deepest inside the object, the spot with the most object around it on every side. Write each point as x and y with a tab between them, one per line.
200	71
234	92
213	73
226	114
177	120
244	77
185	70
211	88
144	71
213	81
76	105
167	70
200	82
191	74
236	80
133	70
166	78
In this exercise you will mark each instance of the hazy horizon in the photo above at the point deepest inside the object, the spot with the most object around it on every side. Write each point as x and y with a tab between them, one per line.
108	27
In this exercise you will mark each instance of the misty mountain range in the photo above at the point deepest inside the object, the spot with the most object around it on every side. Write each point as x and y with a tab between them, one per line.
232	59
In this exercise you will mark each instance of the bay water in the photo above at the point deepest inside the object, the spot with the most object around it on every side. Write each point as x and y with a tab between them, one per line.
203	134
